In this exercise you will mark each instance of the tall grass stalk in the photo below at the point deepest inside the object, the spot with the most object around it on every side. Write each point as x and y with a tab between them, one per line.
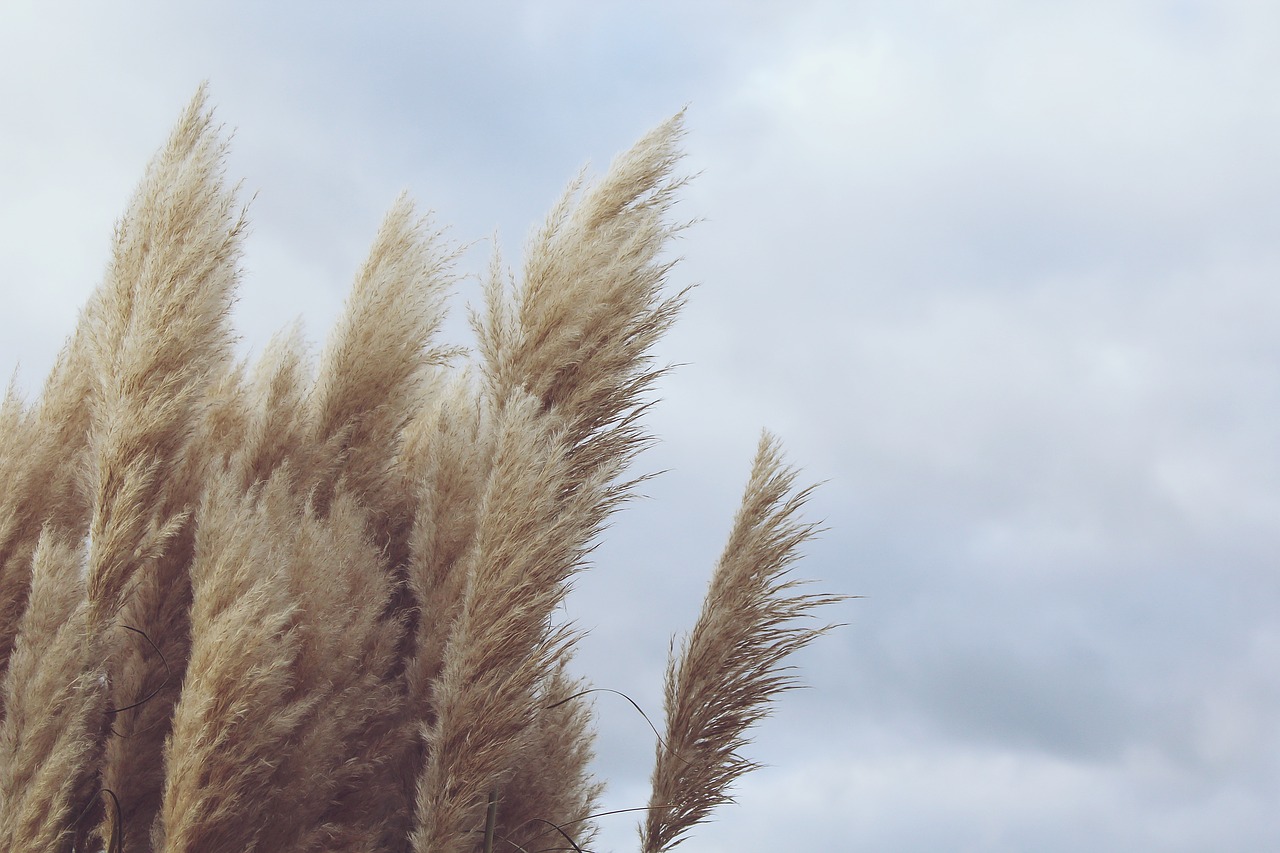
310	603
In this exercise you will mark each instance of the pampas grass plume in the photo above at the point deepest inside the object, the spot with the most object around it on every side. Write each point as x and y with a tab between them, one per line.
309	603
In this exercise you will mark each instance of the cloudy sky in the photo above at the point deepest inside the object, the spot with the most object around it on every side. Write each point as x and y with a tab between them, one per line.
1004	275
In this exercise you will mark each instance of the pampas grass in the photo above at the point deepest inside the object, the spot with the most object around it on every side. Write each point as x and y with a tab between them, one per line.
309	603
730	667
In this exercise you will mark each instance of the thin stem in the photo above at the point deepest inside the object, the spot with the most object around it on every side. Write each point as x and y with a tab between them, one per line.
490	822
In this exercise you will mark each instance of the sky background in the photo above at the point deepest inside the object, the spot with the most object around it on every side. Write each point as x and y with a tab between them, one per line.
1003	275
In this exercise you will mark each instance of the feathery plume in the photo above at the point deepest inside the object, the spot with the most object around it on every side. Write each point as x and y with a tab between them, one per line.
158	343
56	693
730	667
380	354
446	457
234	713
18	438
569	351
577	335
157	339
526	548
42	452
265	420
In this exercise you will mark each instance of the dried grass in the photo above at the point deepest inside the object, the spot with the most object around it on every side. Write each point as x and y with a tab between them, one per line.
730	668
310	604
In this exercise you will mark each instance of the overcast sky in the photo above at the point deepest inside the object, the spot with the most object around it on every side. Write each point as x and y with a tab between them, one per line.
1004	275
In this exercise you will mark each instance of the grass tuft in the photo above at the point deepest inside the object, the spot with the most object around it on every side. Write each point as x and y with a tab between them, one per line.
309	603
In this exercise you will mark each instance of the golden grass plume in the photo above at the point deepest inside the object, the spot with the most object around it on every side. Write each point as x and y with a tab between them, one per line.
310	603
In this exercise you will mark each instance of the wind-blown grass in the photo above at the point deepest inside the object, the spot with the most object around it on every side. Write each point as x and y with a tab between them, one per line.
310	603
